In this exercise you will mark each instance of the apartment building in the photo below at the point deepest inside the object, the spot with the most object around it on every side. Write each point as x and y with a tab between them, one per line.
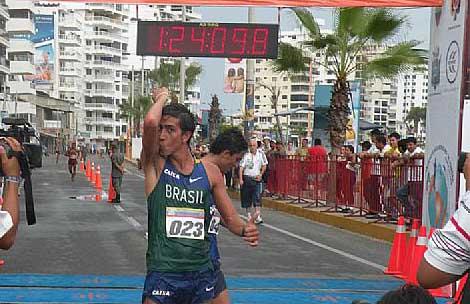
412	91
20	28
4	45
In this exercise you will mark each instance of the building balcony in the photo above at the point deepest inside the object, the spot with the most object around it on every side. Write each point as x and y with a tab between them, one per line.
21	46
69	87
101	92
20	25
22	68
4	65
4	38
104	107
100	121
63	71
106	36
70	39
106	21
104	50
21	87
106	65
69	55
56	124
20	4
70	21
114	8
4	10
103	135
106	78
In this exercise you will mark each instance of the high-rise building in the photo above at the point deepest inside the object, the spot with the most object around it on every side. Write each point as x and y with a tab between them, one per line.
20	28
4	45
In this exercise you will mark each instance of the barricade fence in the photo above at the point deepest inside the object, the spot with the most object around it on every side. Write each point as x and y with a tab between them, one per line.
378	187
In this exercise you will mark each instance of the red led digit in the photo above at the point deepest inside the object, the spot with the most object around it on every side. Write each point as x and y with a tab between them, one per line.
239	37
260	41
162	33
223	32
199	39
178	38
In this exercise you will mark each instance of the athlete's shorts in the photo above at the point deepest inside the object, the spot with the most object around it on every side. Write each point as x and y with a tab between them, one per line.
220	284
72	162
193	287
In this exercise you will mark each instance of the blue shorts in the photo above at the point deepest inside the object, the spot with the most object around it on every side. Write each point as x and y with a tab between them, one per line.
194	287
220	284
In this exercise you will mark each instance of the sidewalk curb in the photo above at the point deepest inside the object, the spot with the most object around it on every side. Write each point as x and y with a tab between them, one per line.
373	230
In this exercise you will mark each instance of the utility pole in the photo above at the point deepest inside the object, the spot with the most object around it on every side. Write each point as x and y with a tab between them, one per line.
131	123
182	62
250	87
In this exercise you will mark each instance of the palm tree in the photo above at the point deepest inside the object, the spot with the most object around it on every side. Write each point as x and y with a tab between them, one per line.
168	75
137	112
355	30
415	116
215	115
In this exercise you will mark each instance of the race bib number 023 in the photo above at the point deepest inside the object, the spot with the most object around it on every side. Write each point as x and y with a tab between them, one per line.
186	223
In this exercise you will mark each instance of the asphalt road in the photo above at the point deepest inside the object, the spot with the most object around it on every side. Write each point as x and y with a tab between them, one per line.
77	235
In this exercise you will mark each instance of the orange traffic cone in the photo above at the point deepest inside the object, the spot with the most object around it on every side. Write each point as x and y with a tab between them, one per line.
93	175
410	249
397	254
92	172
420	248
98	182
87	169
444	291
82	166
111	192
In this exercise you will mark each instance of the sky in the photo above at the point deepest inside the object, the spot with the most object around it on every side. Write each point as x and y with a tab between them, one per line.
213	68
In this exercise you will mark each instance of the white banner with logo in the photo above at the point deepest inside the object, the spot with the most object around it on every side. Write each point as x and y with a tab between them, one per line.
442	123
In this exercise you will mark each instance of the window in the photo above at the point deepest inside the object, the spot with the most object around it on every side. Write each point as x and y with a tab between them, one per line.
89	128
88	42
88	71
89	86
285	79
107	115
284	96
258	70
88	57
274	78
124	129
89	114
118	131
118	87
258	60
257	96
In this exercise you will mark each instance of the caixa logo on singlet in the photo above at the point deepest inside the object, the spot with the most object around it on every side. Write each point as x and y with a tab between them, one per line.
171	173
164	293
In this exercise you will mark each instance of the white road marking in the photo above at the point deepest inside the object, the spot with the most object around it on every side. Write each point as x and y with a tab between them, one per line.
134	222
119	208
323	246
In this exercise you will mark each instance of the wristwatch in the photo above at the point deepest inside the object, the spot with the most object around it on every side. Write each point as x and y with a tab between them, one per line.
13	179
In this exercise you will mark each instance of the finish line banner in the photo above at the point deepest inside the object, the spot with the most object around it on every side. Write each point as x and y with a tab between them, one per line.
279	3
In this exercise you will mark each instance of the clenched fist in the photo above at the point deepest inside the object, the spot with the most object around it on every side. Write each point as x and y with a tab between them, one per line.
160	94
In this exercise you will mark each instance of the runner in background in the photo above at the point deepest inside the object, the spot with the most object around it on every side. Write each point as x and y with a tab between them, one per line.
72	153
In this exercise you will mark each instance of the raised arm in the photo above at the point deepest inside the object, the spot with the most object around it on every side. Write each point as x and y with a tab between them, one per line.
150	140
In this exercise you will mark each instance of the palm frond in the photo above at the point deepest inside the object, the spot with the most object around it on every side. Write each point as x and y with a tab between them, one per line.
350	21
290	59
308	21
396	60
322	42
382	24
192	73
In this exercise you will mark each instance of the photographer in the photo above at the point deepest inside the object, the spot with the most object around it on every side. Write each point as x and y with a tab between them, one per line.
9	218
448	254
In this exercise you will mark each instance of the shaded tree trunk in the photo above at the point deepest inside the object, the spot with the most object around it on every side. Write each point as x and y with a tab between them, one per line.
278	120
338	114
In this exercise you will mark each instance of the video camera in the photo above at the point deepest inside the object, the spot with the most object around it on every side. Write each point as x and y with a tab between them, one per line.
31	158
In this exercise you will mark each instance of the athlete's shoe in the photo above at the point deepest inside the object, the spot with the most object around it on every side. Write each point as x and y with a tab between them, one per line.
249	215
258	220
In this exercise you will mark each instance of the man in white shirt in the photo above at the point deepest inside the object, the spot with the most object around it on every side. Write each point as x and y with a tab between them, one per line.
252	168
448	253
413	159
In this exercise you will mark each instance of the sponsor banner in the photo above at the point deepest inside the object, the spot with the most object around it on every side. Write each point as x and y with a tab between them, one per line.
234	77
442	122
283	3
44	55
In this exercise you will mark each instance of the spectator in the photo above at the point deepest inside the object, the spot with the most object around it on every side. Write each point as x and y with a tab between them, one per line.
392	150
252	168
373	137
266	144
408	294
9	216
373	188
413	159
290	149
318	161
302	151
448	254
281	149
117	171
346	177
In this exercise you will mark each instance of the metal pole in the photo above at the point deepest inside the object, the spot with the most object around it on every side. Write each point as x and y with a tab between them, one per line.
182	63
131	125
16	104
142	74
309	114
250	87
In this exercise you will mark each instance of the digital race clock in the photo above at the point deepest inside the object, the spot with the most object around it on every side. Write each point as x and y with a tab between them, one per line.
231	40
